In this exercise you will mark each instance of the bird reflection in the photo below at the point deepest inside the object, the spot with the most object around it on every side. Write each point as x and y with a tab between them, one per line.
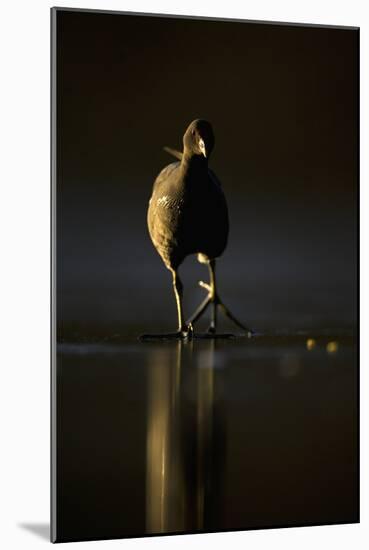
185	442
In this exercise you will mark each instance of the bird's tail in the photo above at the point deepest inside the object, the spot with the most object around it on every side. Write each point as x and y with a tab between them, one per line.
174	152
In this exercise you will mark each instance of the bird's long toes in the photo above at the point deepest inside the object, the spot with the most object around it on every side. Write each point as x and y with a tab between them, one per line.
205	285
187	331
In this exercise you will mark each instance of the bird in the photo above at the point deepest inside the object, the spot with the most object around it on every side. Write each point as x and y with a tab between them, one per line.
187	215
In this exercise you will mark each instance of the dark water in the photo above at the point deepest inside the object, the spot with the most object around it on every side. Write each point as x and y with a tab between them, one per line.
209	435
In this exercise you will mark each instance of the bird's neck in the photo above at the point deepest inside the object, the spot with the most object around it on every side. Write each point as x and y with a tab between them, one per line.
194	164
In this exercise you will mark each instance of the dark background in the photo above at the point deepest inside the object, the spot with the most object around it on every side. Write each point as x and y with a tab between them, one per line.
283	104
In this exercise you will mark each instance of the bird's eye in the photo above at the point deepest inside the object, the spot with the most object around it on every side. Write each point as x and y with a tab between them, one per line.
193	132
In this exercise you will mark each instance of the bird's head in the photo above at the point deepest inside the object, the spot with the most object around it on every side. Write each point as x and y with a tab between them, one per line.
199	139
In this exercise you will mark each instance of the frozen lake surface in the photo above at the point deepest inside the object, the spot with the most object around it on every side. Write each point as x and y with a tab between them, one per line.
209	435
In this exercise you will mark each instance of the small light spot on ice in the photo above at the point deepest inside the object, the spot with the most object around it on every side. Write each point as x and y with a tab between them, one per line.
310	344
332	347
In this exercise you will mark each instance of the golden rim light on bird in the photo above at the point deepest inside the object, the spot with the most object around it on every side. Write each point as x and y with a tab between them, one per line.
202	147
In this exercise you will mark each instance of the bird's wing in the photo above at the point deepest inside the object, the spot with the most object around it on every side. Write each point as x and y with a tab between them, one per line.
163	215
177	154
164	175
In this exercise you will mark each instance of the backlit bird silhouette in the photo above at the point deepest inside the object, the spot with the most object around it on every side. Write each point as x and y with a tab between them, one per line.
188	214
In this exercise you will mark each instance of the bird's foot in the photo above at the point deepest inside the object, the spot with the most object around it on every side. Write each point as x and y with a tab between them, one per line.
207	287
248	332
213	298
212	334
184	333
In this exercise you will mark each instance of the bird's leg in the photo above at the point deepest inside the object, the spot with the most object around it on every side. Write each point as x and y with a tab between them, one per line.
211	298
178	292
215	301
200	310
185	330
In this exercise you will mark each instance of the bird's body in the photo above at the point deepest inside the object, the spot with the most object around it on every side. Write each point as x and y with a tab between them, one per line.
188	215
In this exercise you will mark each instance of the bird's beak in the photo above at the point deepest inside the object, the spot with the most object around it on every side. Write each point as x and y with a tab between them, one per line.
202	147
